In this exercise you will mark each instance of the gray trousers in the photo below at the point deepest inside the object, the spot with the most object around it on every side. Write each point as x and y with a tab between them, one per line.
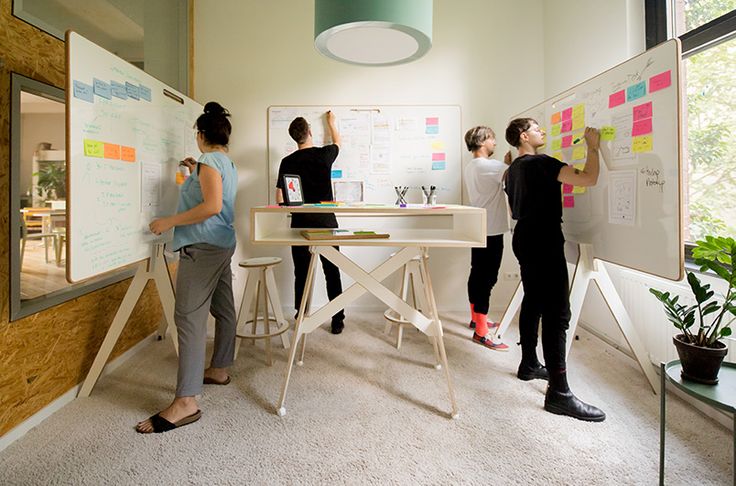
203	286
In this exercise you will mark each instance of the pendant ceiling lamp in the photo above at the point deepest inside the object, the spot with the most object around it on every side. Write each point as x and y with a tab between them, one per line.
373	32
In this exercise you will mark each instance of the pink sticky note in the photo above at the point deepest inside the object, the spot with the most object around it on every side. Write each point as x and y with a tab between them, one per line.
567	114
660	81
566	126
566	141
567	188
568	202
617	98
438	156
433	121
641	127
643	111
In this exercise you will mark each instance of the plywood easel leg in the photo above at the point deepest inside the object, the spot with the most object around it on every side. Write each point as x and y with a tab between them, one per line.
278	312
165	288
511	310
616	305
308	311
248	293
280	409
118	323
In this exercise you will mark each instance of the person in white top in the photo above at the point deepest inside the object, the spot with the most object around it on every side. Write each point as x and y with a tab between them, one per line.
484	183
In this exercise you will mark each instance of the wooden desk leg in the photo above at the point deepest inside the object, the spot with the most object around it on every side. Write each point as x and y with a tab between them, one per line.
307	310
438	330
281	410
662	418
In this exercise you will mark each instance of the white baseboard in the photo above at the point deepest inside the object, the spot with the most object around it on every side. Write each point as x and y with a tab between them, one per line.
22	429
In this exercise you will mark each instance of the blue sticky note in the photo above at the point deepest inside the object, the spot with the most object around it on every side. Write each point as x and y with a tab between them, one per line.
337	174
118	90
432	129
132	90
636	91
145	92
438	165
83	91
101	88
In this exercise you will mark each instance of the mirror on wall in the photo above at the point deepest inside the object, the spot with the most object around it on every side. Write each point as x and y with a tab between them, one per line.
38	193
152	35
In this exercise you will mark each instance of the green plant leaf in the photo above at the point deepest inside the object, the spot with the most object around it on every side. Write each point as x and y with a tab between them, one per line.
701	291
725	332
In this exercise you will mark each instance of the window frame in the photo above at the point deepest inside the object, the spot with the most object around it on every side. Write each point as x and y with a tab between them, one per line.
22	308
658	28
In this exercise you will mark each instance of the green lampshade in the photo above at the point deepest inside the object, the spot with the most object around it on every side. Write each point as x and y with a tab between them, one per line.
373	32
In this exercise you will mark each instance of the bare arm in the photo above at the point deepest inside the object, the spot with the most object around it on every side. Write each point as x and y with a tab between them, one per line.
211	183
332	125
589	175
279	196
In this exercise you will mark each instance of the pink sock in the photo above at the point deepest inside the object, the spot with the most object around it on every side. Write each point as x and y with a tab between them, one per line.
481	324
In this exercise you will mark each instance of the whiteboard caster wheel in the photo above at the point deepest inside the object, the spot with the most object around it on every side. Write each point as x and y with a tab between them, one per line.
455	416
438	366
281	411
300	363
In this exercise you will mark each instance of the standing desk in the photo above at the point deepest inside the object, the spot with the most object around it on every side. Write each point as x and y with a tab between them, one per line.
416	229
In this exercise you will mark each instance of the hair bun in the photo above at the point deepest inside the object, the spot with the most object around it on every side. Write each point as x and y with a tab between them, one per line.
214	108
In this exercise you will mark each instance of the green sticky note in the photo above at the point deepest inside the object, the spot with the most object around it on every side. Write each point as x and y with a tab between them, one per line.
608	133
555	130
556	144
93	148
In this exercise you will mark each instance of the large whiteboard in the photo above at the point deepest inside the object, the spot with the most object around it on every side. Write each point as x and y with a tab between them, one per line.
125	138
383	146
633	216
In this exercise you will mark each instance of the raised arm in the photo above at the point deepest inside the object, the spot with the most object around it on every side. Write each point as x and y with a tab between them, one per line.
589	175
332	125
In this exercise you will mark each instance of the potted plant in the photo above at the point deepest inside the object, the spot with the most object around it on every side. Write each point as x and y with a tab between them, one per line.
704	323
52	181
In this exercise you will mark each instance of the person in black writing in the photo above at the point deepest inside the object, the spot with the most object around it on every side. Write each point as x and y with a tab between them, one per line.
314	166
533	186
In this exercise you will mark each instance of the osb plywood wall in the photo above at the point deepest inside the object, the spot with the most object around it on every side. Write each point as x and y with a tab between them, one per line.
44	355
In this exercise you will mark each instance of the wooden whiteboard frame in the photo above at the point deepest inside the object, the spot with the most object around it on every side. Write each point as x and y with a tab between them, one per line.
655	260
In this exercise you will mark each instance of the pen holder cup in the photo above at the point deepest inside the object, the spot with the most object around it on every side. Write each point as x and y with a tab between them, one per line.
430	200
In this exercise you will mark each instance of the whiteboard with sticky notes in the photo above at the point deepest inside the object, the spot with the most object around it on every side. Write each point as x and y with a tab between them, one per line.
126	133
633	215
382	147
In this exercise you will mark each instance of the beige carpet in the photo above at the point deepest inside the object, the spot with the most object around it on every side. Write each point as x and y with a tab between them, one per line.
359	412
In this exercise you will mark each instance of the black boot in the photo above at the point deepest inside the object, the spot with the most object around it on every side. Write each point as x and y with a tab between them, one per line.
535	371
560	400
337	326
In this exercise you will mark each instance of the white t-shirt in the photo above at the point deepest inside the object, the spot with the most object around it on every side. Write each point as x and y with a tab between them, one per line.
484	183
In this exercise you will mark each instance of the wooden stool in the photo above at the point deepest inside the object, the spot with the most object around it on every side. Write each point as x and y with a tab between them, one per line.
261	282
410	279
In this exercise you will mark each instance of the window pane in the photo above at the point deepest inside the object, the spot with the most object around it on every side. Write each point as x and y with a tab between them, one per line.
710	155
691	14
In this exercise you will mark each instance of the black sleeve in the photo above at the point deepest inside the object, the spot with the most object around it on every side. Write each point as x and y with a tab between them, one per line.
552	166
280	177
329	153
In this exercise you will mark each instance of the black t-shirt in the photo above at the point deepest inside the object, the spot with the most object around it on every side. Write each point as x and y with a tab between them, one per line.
533	189
314	166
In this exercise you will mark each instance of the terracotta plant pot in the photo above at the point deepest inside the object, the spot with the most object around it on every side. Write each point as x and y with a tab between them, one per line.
700	364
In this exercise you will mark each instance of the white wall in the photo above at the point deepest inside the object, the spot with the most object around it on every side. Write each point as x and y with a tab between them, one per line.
37	128
252	54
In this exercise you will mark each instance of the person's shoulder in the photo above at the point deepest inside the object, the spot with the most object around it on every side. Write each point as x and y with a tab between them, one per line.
217	160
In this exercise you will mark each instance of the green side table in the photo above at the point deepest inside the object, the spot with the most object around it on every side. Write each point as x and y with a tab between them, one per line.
721	396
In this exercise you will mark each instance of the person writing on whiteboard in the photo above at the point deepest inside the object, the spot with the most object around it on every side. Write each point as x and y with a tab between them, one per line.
205	238
533	186
482	177
314	166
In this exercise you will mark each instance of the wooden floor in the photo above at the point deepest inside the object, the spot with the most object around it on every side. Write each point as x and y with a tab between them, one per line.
38	277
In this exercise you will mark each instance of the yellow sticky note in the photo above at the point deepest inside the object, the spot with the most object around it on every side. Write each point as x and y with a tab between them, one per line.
558	156
578	190
608	133
438	145
641	144
556	144
578	153
555	130
93	148
579	166
578	111
578	122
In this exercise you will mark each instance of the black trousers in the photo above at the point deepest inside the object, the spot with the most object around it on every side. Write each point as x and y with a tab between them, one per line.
540	251
484	265
300	255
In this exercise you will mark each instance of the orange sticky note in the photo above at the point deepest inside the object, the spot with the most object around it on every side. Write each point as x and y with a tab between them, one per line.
127	153
556	118
112	151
